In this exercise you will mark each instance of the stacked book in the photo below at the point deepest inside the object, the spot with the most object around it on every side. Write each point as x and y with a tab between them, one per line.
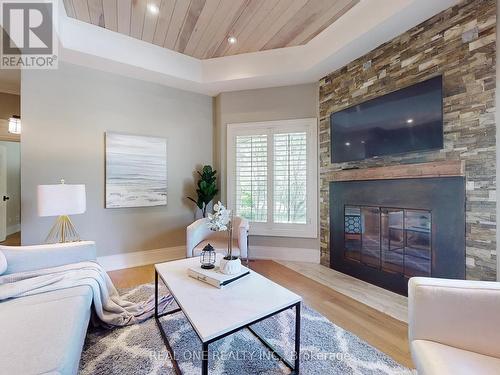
215	277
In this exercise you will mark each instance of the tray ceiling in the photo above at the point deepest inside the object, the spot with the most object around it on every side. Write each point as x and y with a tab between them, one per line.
201	28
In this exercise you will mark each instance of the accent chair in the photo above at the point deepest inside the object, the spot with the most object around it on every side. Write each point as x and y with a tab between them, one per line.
198	235
454	326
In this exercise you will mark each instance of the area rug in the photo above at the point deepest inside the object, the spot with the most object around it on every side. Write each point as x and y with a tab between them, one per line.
139	350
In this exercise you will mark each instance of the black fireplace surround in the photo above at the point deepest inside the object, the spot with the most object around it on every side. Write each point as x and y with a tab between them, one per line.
386	231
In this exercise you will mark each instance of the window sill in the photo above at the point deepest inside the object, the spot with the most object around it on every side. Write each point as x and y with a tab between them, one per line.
286	230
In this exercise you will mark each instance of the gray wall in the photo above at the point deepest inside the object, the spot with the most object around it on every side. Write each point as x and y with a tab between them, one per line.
65	113
13	185
278	103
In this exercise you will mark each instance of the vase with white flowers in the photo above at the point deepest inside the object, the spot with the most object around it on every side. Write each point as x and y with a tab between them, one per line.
222	221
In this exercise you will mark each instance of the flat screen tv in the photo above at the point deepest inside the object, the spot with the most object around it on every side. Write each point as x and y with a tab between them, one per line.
407	120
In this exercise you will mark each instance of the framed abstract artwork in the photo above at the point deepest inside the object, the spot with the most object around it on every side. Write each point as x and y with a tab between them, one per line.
136	171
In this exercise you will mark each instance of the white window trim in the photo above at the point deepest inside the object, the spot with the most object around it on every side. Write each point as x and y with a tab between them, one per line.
308	230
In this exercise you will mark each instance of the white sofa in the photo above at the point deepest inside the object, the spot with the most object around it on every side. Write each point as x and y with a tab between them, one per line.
454	326
44	333
198	235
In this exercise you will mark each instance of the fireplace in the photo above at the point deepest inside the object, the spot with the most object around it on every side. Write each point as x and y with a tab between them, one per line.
386	231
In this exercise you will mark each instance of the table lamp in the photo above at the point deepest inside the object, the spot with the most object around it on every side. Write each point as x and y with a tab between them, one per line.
61	200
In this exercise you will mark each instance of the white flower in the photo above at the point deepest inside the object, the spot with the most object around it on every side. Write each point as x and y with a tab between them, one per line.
220	219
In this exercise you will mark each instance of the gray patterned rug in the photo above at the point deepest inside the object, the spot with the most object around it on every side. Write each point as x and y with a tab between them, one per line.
139	350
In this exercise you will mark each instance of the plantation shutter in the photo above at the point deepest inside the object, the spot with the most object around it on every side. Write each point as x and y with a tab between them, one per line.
251	177
272	176
290	178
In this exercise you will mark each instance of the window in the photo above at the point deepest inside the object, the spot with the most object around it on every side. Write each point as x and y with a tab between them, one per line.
251	184
290	178
272	176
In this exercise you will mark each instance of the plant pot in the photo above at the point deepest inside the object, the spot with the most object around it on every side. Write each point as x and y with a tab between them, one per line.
198	214
230	266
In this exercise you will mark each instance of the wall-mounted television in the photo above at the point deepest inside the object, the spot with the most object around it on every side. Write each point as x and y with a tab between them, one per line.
406	120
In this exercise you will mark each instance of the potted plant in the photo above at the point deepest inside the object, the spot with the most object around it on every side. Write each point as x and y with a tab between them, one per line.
207	188
222	221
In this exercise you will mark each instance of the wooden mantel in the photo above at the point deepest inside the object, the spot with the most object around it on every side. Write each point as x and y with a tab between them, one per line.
422	170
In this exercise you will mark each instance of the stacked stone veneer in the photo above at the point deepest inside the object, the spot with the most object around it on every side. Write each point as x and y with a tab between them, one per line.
458	43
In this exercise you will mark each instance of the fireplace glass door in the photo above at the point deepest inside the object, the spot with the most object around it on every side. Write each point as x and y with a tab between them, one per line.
396	240
392	240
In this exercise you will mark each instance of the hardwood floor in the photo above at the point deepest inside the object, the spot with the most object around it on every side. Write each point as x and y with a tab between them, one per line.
130	277
380	330
378	298
12	240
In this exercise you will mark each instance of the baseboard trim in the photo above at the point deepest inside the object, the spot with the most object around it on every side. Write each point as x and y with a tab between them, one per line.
141	258
284	253
11	229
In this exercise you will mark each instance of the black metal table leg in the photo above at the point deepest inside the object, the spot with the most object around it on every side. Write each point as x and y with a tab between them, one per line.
162	332
156	294
205	353
296	368
204	359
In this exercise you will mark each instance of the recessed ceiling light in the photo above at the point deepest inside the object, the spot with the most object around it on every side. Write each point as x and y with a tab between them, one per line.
153	8
409	121
232	40
348	143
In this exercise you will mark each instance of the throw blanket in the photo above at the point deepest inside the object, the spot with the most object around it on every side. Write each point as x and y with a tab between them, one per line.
111	310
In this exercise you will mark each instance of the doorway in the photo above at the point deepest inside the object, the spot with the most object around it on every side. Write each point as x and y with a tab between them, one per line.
10	168
10	193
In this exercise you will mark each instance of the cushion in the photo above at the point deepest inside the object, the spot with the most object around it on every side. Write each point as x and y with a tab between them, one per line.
29	258
441	310
432	358
3	263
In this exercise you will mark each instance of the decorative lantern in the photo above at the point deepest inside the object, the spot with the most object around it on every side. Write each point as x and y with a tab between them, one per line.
207	257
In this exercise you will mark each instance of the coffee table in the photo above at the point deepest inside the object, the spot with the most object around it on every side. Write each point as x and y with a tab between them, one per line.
216	313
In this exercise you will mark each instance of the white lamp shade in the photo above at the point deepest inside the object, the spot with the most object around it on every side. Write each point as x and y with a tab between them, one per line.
61	199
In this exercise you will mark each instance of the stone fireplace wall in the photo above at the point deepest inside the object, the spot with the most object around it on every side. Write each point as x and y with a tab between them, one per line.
458	43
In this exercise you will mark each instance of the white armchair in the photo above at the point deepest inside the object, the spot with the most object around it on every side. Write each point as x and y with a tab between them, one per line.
198	235
454	326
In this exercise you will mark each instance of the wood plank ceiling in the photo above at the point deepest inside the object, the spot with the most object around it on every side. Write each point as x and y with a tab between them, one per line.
201	28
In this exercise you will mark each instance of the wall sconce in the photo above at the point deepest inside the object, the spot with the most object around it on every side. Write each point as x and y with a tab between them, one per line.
15	125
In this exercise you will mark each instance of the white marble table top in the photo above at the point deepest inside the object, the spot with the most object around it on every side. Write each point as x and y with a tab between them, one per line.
213	311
